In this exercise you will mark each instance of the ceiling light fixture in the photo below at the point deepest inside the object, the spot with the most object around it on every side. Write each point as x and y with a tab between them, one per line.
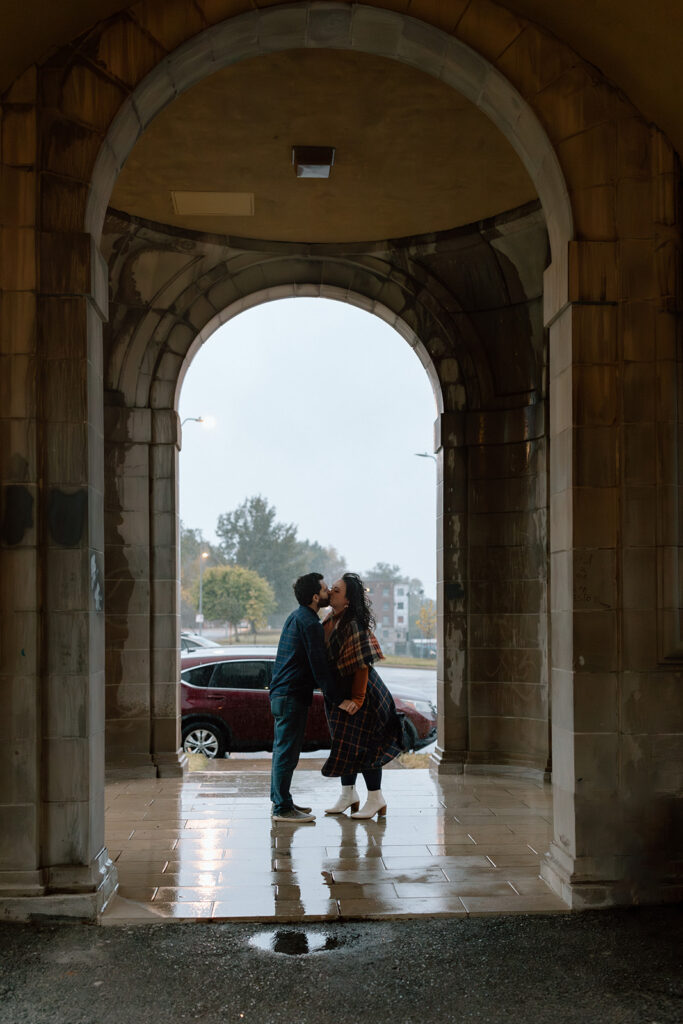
313	161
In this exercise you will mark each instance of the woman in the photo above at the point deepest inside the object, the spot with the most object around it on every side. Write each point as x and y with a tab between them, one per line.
365	727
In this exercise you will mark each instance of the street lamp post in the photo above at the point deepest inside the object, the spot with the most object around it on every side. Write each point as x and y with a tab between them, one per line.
425	455
192	419
200	617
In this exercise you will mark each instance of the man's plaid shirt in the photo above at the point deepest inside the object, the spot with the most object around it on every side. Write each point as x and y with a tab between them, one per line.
301	663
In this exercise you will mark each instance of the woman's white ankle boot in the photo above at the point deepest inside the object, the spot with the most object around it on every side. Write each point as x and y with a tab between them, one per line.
374	805
348	798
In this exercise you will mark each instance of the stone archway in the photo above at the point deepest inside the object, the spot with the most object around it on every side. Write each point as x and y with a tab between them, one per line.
490	437
612	286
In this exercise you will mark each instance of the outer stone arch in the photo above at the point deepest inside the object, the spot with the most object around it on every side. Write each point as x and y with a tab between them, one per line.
341	27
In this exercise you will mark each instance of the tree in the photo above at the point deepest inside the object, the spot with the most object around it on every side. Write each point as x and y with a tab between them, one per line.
231	593
384	571
426	620
252	537
326	560
192	544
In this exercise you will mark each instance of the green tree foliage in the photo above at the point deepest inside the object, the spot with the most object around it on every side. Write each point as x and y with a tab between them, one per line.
251	536
327	560
384	571
231	593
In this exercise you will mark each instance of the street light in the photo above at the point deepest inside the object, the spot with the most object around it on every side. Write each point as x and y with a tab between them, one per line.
200	617
425	455
192	419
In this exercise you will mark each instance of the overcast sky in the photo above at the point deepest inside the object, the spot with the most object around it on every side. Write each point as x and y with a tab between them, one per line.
319	407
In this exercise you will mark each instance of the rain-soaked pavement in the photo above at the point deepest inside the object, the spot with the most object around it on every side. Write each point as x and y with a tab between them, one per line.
205	848
434	915
609	967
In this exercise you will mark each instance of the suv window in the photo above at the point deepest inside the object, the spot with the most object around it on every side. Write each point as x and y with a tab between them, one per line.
240	675
198	676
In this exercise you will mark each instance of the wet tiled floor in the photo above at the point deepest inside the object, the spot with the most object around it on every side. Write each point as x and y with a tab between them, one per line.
205	848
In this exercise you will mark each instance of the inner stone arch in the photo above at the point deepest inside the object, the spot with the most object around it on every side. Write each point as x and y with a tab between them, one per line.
168	294
320	291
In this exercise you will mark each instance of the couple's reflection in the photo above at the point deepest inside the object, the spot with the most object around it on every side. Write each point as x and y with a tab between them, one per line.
335	847
357	851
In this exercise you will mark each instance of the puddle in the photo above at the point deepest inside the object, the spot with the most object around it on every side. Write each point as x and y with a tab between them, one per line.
295	943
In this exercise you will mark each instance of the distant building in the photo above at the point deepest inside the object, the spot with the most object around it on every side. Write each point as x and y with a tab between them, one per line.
390	600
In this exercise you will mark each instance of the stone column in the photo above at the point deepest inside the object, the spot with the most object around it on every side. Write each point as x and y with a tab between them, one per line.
77	875
142	593
615	529
21	871
451	573
507	582
167	754
128	433
584	598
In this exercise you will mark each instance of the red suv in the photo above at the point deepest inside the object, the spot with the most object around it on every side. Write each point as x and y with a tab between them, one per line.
225	705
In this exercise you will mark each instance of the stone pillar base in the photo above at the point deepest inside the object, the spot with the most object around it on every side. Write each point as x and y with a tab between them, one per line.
71	892
170	766
22	883
514	771
600	894
446	763
147	766
459	762
130	766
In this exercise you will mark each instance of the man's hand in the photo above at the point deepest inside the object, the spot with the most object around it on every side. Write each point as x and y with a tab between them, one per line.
349	706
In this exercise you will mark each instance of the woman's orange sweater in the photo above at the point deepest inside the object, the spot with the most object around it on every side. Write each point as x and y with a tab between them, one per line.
360	677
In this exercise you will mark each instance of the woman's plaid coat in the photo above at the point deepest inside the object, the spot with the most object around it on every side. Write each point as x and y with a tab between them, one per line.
370	738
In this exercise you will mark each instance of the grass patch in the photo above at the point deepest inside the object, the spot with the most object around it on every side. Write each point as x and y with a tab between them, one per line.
414	760
402	661
269	638
197	762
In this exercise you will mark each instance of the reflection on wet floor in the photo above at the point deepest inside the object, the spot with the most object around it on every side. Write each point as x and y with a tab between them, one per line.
205	847
294	943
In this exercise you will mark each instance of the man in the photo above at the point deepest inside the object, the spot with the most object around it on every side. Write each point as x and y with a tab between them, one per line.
300	666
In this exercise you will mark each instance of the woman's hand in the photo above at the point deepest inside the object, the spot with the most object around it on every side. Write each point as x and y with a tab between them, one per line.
349	706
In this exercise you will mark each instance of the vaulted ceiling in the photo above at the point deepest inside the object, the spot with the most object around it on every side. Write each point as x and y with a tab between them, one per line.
636	45
412	155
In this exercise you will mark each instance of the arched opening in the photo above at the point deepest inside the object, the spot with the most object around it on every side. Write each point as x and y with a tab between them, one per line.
469	300
317	410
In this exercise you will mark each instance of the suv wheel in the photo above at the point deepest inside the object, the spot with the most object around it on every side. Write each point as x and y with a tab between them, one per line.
204	738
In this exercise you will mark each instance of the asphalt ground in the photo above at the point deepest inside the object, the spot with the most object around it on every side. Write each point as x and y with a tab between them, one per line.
612	967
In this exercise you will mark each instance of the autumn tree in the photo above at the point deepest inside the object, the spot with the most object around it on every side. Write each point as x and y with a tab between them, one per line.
426	620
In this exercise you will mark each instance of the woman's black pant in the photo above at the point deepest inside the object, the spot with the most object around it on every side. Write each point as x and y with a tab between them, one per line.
373	779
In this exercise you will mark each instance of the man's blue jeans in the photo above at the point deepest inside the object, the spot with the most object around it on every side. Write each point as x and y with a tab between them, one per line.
290	717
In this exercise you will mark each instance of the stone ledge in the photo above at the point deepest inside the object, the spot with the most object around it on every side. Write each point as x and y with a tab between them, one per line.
600	895
56	906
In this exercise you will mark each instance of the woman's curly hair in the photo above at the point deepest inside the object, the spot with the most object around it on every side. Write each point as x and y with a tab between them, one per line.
360	608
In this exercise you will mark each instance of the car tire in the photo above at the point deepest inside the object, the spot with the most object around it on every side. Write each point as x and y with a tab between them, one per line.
410	734
204	738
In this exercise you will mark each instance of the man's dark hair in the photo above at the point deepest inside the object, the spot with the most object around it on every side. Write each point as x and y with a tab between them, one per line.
306	587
